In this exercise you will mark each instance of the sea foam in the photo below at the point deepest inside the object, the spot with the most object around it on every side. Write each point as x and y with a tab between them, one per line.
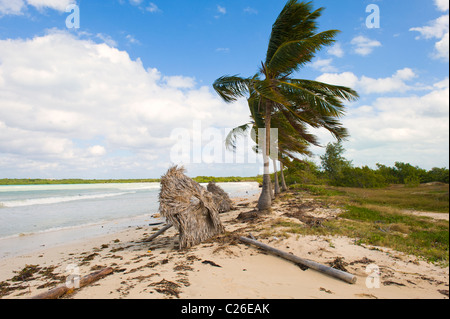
61	199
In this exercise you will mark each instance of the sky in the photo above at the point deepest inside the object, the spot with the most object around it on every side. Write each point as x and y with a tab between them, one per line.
123	88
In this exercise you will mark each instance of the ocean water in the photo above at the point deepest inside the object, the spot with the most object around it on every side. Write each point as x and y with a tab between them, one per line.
33	217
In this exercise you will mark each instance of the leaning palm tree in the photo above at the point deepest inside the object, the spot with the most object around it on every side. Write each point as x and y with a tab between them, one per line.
290	144
283	180
293	43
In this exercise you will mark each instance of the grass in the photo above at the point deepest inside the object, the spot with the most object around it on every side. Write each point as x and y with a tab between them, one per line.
430	198
317	190
377	217
411	234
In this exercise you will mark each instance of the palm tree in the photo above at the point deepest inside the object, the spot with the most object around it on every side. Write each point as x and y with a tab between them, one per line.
283	181
293	43
290	144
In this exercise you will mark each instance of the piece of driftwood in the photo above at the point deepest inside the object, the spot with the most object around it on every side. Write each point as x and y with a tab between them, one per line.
159	232
189	207
223	201
60	291
336	273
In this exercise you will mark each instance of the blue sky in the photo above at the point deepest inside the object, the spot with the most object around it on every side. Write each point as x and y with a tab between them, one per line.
103	100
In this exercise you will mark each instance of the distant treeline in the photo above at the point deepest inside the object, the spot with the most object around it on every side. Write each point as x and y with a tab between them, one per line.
336	170
199	179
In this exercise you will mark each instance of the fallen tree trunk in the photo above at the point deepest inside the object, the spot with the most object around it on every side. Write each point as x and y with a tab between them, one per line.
54	293
336	273
60	291
159	232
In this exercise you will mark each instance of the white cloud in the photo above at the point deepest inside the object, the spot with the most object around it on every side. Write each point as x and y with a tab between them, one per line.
411	129
136	2
395	83
221	9
180	82
442	84
324	65
59	5
152	8
16	7
68	104
106	39
13	7
364	46
442	5
437	29
336	50
141	4
344	79
132	40
97	150
442	48
250	10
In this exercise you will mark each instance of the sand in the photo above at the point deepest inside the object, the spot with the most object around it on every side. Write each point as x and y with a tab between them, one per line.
224	268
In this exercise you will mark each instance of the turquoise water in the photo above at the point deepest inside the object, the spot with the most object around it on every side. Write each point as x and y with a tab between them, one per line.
34	216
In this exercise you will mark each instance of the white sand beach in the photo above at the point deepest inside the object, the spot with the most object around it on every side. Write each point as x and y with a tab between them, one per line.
224	268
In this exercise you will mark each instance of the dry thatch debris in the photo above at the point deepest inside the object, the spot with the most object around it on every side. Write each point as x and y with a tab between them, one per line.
222	199
189	207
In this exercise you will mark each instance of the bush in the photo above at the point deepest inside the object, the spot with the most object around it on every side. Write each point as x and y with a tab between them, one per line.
412	181
363	177
338	171
305	172
437	175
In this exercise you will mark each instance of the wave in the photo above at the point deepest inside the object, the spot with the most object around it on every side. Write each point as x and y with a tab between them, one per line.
147	186
56	200
104	225
117	186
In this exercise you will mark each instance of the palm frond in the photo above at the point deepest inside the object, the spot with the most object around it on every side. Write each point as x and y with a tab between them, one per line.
341	92
266	91
293	54
254	103
296	21
230	88
319	100
234	134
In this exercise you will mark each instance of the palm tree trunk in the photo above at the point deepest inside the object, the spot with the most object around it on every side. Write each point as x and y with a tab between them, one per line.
265	199
272	193
277	184
283	181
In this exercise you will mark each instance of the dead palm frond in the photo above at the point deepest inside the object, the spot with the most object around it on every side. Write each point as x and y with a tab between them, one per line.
189	207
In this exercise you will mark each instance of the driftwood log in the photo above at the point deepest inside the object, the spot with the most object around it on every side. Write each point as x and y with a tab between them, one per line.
336	273
60	291
159	232
189	207
223	201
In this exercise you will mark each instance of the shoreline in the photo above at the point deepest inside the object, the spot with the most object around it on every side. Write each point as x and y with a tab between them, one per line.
31	243
25	242
223	268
